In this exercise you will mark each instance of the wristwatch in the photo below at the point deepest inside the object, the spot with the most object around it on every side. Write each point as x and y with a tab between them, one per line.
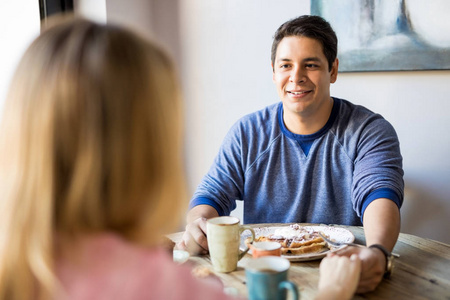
389	260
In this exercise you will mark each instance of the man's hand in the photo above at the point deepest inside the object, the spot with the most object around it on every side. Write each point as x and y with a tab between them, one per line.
194	238
373	264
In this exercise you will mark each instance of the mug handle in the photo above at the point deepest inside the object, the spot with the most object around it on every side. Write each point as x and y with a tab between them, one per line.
241	230
290	286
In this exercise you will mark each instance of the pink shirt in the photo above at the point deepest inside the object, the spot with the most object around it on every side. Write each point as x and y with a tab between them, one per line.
108	267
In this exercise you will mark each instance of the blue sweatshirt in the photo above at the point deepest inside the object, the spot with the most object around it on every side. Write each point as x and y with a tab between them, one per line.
328	177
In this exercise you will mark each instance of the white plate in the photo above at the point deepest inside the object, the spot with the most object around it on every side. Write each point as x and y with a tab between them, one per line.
337	234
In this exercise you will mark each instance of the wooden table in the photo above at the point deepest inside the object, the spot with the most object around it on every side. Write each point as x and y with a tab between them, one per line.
421	272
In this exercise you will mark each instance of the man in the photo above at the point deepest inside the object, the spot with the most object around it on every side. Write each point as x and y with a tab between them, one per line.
311	158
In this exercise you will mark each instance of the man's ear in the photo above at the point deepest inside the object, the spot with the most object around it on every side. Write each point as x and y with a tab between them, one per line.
334	71
273	71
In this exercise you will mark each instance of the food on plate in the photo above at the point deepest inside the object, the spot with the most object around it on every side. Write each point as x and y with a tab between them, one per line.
296	239
201	272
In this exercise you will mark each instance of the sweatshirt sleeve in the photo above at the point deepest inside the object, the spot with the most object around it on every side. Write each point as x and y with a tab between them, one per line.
224	182
378	164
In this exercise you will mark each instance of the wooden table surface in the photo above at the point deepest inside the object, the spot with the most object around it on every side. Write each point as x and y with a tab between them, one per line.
421	272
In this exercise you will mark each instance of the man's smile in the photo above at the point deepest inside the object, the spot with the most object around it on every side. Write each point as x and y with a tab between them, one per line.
299	92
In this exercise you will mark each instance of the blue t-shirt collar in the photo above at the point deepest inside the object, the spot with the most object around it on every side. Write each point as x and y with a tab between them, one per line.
315	135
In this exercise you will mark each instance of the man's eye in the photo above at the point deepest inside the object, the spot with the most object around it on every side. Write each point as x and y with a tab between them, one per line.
312	66
284	66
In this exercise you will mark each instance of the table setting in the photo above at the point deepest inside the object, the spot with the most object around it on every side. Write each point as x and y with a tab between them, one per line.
421	266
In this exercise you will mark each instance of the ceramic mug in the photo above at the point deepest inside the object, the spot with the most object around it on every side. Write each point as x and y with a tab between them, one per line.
260	249
224	239
267	279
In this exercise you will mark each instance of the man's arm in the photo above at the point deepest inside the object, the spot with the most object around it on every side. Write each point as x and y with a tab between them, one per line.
382	223
201	211
381	226
194	238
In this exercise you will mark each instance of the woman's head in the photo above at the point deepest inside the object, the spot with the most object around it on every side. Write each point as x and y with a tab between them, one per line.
91	138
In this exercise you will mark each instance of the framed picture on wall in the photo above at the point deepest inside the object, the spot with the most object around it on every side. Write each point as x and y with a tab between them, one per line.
389	35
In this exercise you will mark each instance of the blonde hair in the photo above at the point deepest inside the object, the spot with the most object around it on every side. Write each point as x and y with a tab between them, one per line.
90	142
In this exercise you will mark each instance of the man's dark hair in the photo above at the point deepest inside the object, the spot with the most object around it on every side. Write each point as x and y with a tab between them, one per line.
313	27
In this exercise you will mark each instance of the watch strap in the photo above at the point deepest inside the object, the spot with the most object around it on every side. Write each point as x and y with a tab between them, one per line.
388	257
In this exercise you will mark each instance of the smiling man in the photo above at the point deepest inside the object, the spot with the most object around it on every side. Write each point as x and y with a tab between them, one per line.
309	158
302	76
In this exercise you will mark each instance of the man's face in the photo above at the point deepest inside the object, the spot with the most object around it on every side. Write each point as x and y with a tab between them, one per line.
301	76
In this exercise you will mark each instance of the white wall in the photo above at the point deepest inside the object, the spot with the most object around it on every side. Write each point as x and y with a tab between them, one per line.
19	25
417	105
223	50
92	9
226	67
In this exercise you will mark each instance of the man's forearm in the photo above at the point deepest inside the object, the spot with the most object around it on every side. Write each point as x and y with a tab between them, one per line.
382	223
201	211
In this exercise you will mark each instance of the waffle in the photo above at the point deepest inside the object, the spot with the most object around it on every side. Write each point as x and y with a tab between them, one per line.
296	240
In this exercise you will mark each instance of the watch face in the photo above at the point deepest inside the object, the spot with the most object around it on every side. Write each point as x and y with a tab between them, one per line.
389	266
389	259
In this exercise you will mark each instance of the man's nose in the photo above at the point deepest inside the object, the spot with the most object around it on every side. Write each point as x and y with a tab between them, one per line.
297	75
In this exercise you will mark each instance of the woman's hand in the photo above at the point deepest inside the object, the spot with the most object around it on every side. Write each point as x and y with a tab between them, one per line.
339	277
373	264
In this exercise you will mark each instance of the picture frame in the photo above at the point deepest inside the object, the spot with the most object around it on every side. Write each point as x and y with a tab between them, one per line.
389	35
